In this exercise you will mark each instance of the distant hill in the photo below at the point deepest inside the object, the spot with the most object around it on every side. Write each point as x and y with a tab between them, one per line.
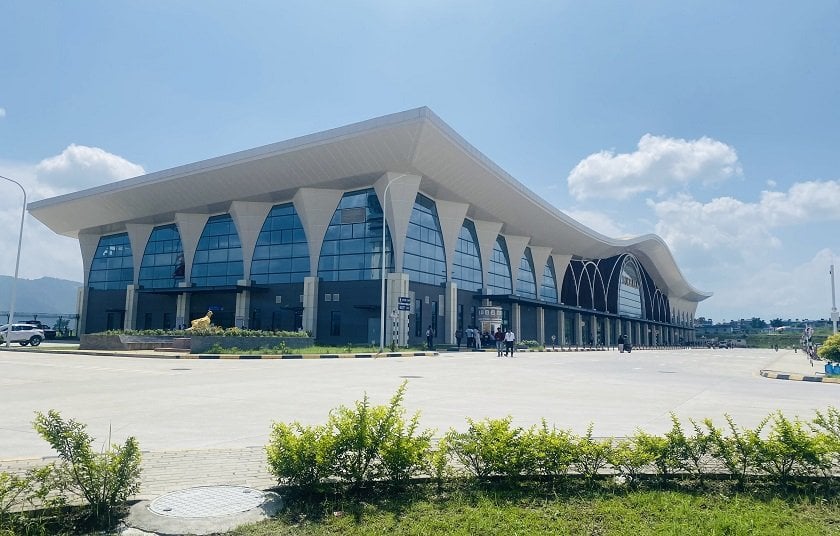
44	295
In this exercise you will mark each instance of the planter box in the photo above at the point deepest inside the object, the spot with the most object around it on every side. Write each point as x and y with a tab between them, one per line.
200	345
123	342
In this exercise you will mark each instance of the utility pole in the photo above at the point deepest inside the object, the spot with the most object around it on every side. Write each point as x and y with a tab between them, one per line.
833	300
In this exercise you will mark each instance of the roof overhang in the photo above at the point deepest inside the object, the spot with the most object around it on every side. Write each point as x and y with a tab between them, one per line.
350	157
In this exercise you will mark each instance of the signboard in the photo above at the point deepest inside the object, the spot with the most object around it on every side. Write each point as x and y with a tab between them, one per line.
404	300
404	307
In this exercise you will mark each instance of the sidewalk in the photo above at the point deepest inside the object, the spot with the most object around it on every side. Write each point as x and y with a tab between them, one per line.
798	367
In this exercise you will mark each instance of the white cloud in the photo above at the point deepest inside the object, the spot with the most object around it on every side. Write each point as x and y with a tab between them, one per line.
79	166
44	253
598	221
658	165
2	113
744	228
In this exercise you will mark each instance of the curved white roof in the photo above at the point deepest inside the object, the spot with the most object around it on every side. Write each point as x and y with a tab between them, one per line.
415	141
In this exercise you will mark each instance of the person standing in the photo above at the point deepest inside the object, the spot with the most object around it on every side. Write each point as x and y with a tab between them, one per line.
429	336
500	341
621	344
510	338
458	335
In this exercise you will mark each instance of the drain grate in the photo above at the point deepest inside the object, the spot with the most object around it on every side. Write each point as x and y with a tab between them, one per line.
207	501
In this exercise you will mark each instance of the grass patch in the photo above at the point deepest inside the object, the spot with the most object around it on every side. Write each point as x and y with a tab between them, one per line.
525	509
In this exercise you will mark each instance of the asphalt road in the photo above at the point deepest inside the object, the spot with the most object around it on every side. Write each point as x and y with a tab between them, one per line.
190	404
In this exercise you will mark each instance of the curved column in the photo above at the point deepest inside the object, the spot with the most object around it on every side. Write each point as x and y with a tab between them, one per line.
516	248
451	217
190	227
87	244
401	197
540	254
315	208
486	233
248	217
138	237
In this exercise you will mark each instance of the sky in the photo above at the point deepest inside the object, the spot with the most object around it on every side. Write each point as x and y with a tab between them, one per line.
714	124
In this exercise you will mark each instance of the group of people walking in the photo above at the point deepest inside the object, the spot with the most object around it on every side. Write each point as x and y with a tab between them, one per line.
504	340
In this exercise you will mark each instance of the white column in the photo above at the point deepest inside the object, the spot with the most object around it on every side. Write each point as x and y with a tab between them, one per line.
451	216
400	203
243	307
310	305
486	232
397	287
561	327
248	217
516	320
190	227
88	244
182	310
541	325
451	315
315	208
130	319
579	329
138	237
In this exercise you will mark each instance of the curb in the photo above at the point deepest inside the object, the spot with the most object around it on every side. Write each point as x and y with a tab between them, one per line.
162	355
775	375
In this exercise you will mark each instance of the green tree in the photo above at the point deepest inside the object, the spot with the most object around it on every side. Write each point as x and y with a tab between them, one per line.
830	349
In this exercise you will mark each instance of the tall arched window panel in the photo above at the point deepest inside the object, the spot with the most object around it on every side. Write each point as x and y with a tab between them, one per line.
526	285
548	287
112	267
424	259
218	257
352	247
163	261
466	265
499	280
282	253
630	290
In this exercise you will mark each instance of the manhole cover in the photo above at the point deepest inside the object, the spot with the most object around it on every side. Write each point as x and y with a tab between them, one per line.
207	501
410	377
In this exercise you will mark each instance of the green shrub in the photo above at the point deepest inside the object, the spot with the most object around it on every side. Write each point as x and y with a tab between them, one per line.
104	480
791	449
493	447
32	503
554	450
830	349
630	459
692	452
738	451
828	424
300	455
591	454
372	442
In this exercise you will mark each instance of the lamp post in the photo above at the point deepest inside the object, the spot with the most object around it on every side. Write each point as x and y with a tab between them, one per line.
834	314
17	263
382	271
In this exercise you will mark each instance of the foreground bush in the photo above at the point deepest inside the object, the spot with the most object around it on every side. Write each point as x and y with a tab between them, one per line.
365	444
37	502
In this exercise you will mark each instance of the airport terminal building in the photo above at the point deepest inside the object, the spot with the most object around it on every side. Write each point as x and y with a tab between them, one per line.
293	235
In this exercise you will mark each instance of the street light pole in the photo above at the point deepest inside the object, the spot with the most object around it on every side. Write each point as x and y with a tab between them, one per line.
17	263
382	271
834	314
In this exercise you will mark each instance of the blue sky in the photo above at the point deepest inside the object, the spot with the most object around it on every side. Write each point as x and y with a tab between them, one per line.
713	124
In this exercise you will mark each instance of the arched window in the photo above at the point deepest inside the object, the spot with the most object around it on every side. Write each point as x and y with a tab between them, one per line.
526	286
218	257
466	266
424	259
548	288
163	261
113	264
499	276
630	290
353	241
282	253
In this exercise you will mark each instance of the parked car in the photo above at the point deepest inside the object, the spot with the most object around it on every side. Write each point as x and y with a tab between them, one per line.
22	334
49	333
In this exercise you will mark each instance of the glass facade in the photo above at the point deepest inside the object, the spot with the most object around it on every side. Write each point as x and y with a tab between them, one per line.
353	241
282	253
629	290
526	286
163	261
548	287
113	264
466	265
424	259
218	257
499	273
